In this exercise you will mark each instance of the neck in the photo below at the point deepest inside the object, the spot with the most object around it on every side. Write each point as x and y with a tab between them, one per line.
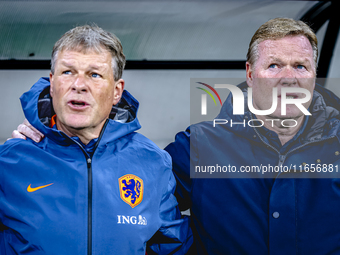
285	133
84	134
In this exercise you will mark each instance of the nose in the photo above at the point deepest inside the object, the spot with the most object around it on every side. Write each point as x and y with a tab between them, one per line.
288	77
80	84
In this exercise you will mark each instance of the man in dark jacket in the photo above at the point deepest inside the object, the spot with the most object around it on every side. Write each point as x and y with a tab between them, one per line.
292	207
93	185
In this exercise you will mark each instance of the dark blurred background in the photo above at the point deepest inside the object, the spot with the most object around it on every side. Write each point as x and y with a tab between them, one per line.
166	43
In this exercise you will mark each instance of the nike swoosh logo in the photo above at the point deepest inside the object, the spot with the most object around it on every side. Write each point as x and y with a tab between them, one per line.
30	189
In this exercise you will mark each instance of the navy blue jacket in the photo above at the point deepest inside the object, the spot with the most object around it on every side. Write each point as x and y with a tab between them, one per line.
108	197
291	212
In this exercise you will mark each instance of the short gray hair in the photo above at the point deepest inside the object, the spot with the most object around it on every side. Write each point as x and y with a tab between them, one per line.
279	28
91	37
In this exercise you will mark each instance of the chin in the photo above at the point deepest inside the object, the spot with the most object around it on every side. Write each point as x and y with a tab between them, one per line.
76	124
290	115
292	112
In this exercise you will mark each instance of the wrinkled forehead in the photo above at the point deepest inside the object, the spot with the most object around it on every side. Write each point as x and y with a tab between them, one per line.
287	44
96	55
290	41
292	48
81	60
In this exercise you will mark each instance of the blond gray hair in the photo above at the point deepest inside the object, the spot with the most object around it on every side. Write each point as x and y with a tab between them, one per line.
91	37
279	28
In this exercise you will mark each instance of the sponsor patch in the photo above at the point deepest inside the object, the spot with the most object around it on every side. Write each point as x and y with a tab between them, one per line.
134	220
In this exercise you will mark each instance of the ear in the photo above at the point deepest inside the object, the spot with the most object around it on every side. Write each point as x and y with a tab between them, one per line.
51	84
250	77
118	91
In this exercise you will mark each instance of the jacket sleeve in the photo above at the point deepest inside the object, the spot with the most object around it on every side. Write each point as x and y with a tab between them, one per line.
174	235
181	155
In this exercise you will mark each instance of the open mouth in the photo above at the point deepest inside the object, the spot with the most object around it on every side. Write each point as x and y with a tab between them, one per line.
78	103
290	96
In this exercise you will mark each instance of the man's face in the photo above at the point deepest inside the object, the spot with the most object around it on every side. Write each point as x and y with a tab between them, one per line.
286	62
83	90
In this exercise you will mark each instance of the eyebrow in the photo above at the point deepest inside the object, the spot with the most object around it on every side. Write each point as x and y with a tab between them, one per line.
67	64
277	60
305	61
91	66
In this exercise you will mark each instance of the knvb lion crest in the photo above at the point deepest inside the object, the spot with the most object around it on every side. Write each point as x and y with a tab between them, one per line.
131	189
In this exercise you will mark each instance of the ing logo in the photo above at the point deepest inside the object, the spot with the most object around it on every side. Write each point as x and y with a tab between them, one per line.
204	97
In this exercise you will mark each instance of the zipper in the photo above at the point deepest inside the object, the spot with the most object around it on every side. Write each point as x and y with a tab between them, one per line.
89	184
282	159
89	206
259	136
